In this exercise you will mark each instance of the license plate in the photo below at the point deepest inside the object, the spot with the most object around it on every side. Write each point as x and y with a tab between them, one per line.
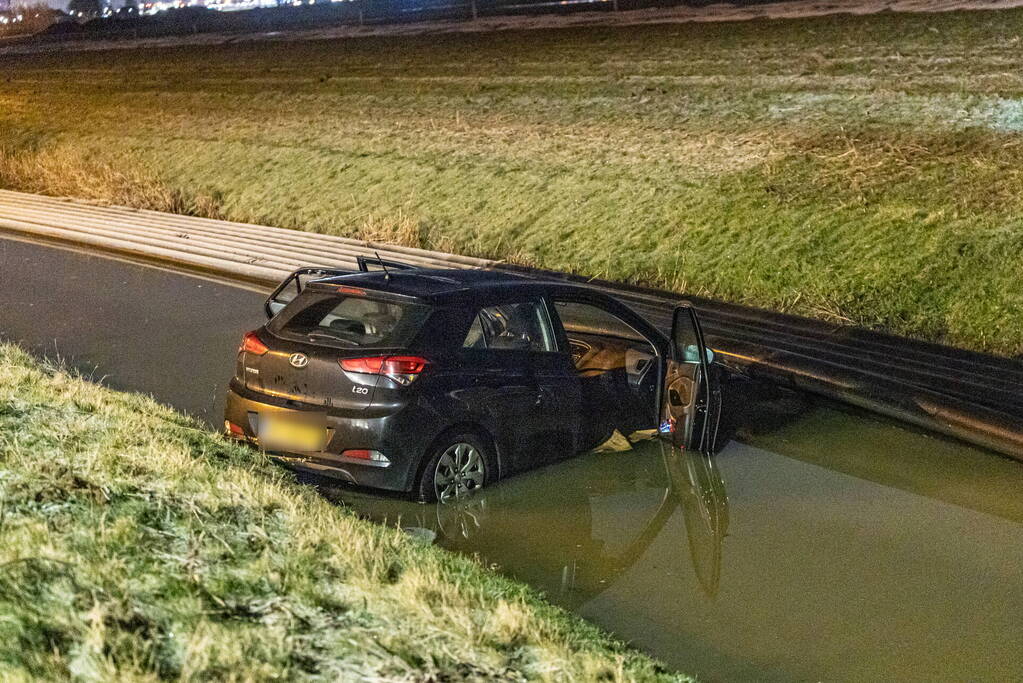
289	435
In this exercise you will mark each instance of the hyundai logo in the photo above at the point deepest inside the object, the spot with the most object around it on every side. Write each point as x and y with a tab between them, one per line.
298	360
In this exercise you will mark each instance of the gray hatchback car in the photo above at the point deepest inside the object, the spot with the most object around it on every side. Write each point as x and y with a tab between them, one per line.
439	382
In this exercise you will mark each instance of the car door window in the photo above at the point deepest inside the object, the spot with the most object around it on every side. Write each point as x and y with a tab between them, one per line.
692	402
522	326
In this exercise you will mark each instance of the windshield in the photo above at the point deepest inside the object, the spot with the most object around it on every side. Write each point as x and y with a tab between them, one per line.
351	321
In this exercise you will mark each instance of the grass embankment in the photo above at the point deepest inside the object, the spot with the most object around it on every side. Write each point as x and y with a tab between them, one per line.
866	169
135	545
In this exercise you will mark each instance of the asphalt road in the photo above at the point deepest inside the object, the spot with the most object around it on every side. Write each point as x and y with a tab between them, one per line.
175	337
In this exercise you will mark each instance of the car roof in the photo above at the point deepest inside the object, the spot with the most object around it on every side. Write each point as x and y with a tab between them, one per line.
450	286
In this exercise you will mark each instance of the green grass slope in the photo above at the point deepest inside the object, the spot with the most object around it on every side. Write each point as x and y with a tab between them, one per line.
136	546
862	169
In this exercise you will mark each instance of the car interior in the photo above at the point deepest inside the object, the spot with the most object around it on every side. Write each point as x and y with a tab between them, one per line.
515	327
617	366
354	320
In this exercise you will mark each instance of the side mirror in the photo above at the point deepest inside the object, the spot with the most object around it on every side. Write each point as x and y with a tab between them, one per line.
691	354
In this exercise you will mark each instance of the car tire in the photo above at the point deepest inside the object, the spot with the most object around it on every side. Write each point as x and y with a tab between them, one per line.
458	465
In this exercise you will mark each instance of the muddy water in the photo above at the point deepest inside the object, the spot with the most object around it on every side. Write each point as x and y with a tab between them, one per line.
820	544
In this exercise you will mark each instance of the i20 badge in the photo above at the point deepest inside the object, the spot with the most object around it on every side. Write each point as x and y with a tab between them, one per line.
298	360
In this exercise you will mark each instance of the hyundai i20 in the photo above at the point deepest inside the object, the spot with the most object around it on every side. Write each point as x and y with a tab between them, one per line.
439	382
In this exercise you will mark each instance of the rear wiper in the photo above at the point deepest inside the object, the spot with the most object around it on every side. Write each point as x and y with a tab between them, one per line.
326	335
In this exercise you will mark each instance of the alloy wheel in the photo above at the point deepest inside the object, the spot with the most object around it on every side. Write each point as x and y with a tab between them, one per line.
460	470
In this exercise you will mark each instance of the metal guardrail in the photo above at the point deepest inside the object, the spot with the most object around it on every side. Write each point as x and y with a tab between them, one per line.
971	396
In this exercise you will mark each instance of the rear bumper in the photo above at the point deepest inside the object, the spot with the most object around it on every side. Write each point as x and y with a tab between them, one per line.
390	434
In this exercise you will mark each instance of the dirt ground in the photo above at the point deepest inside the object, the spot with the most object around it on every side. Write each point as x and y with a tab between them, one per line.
786	9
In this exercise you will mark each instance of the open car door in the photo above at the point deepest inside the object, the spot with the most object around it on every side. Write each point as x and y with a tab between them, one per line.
691	404
293	285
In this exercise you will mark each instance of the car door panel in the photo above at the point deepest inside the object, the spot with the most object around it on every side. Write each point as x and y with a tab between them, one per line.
525	399
559	406
690	404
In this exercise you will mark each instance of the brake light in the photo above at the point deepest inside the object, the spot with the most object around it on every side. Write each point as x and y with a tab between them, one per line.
366	454
352	291
402	369
251	344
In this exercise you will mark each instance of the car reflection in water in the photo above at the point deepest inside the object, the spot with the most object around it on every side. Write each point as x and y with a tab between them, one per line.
697	485
573	528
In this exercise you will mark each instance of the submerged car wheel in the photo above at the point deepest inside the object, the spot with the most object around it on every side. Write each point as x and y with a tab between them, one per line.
459	466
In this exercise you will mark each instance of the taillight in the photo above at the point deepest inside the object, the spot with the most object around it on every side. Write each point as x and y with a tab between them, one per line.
251	344
402	369
366	454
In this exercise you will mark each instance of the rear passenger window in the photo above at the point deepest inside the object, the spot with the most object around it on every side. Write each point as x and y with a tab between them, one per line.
514	327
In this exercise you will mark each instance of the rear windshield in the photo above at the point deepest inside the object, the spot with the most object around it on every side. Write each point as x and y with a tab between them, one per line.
351	321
